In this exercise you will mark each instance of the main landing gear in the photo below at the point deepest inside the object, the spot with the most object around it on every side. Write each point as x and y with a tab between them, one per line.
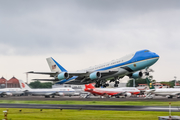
101	83
116	81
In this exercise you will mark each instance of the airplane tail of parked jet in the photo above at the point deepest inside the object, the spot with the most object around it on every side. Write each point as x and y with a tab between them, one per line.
24	85
151	86
55	66
89	86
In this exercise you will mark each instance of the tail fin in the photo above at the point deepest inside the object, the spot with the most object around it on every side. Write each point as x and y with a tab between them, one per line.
55	66
151	86
24	85
89	86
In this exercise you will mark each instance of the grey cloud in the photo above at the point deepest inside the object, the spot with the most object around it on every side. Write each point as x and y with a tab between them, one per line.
40	27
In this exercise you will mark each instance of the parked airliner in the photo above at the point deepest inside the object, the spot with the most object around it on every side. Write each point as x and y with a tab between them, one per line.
130	65
110	92
48	92
168	92
11	92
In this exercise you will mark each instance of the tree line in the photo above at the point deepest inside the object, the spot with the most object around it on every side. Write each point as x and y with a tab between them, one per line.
38	84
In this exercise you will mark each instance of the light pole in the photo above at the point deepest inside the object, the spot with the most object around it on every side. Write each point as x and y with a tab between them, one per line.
134	82
175	80
27	78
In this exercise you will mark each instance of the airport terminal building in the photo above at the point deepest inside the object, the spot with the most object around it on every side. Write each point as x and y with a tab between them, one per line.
12	83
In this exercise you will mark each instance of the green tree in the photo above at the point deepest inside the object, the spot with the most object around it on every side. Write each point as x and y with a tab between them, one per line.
38	84
137	81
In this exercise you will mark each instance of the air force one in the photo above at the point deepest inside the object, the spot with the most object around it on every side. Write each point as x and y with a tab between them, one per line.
129	65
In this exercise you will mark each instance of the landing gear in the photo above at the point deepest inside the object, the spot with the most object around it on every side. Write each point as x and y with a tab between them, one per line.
101	83
170	97
112	80
116	83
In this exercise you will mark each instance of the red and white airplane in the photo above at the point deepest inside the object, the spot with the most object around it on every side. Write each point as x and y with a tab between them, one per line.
117	92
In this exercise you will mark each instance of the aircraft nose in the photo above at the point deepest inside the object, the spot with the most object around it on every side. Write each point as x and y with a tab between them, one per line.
156	55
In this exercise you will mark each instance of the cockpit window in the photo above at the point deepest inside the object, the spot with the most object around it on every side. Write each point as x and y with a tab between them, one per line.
146	51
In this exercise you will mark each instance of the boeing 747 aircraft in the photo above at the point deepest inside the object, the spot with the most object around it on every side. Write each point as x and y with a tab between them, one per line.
129	65
110	92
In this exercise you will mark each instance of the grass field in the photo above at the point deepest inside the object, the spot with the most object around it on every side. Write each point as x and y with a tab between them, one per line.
140	103
56	114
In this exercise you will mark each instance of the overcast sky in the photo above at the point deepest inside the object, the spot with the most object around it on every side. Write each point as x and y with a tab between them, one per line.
83	33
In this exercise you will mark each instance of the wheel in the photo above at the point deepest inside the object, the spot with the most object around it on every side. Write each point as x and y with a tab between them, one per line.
116	82
170	97
117	96
97	85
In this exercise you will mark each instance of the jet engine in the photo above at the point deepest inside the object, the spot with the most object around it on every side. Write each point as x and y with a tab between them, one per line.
60	94
76	94
63	75
137	74
9	94
127	94
95	75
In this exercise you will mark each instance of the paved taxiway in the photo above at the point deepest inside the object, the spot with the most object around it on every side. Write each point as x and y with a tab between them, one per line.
76	98
91	107
88	107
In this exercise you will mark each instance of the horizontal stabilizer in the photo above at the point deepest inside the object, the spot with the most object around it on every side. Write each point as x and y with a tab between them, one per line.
45	73
46	79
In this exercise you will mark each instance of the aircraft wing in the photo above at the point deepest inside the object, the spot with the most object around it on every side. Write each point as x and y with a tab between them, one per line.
176	93
3	93
77	73
108	72
121	93
52	93
81	76
46	94
150	91
44	73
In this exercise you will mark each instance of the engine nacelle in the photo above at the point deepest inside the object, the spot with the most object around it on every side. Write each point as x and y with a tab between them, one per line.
95	75
127	94
137	74
63	75
76	94
60	94
9	94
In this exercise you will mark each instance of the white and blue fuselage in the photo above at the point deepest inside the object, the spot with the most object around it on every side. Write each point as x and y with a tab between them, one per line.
123	66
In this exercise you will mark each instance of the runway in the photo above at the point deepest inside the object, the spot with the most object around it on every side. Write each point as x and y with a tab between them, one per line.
91	107
77	98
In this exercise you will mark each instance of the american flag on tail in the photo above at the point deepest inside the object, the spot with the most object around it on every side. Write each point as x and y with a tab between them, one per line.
53	66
